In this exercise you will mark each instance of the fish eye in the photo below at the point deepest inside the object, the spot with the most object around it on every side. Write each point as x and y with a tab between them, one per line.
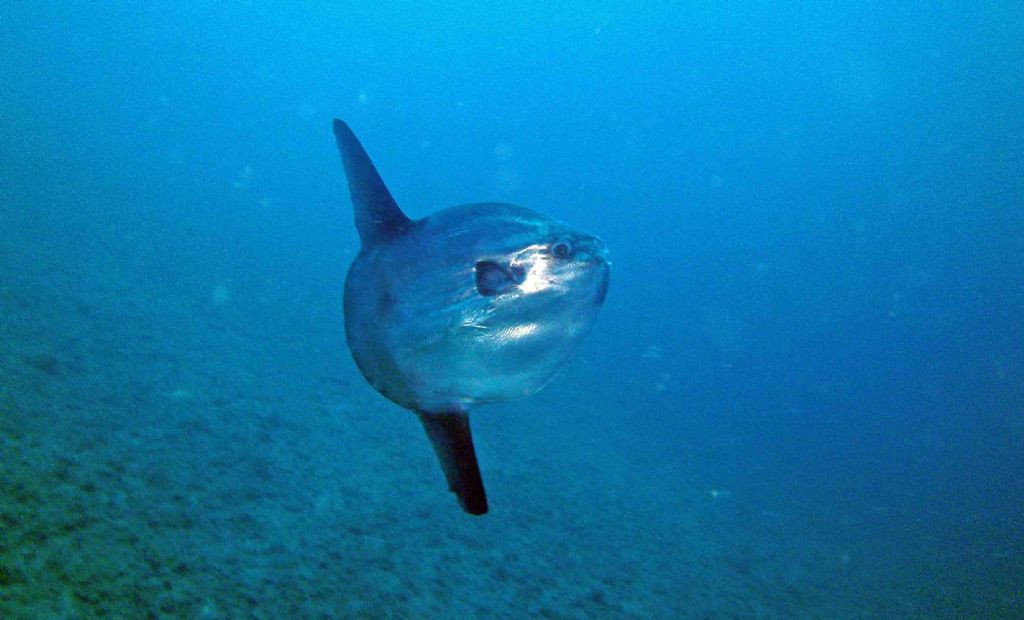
561	248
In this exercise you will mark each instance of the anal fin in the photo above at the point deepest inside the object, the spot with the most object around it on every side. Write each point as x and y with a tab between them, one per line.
453	443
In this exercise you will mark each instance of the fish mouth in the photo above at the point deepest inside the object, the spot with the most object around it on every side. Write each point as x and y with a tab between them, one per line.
592	254
592	250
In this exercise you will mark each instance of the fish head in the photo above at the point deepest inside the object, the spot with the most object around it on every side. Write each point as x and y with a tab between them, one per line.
489	301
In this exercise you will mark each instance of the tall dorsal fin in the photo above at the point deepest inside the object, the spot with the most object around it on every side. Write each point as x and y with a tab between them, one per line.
378	217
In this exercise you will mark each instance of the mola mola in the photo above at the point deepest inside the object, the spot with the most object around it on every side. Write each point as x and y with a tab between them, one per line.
475	304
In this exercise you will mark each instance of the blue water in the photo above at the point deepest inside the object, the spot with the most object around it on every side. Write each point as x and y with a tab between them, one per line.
804	396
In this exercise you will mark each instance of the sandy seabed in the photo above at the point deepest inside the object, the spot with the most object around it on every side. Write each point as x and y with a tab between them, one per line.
167	456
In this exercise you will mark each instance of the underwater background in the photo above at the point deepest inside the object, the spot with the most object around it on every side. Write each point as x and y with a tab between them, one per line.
804	397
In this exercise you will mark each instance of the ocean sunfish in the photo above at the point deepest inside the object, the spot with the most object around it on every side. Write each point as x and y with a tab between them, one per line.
478	303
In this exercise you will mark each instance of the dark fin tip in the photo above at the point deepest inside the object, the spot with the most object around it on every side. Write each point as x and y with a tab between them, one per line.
453	444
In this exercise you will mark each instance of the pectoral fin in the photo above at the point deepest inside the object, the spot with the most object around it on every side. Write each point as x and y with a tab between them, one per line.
494	279
453	443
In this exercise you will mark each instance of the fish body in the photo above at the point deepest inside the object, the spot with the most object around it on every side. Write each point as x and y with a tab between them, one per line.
475	304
